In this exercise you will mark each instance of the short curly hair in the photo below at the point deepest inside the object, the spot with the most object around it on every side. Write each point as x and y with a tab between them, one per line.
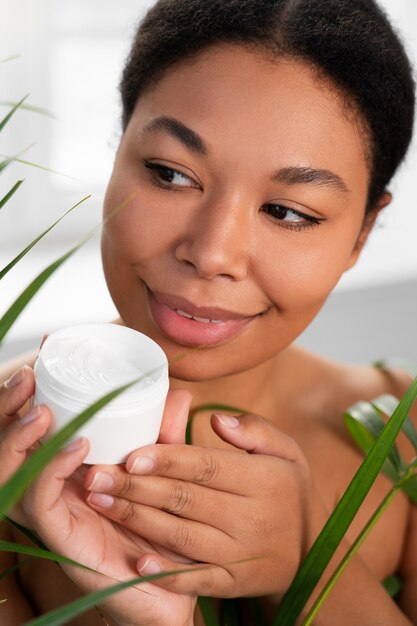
350	41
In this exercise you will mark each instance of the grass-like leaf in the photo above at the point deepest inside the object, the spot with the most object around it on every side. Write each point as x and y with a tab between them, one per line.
10	193
208	407
62	615
10	58
15	159
29	107
335	528
11	315
12	491
207	610
12	112
10	546
12	263
388	404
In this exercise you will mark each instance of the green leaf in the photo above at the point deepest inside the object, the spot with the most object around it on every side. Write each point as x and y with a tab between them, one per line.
8	319
336	526
207	610
12	491
12	112
9	160
12	263
367	414
11	58
393	585
388	404
10	546
29	107
63	614
208	407
14	159
10	193
230	613
397	363
29	534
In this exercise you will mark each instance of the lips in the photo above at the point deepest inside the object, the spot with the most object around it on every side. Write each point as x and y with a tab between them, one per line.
191	325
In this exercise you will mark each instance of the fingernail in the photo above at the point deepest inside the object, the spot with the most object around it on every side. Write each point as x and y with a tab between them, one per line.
141	465
228	420
30	415
16	379
101	499
74	445
150	567
101	482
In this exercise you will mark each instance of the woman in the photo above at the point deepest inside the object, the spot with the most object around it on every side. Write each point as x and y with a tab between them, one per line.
259	141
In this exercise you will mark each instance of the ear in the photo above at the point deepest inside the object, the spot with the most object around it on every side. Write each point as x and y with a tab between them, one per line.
367	226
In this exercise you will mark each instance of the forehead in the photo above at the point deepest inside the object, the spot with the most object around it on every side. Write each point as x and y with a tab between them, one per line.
280	109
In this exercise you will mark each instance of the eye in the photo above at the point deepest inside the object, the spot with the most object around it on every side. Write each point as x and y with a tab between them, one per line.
166	177
291	218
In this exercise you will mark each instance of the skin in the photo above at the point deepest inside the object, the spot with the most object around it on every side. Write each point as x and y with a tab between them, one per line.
214	241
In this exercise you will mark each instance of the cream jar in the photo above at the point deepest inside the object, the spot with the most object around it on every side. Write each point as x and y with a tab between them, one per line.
78	365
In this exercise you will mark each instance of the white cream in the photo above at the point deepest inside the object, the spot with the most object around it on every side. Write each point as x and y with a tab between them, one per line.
87	364
80	364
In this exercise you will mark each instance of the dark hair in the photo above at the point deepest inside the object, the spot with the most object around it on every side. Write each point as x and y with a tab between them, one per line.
350	41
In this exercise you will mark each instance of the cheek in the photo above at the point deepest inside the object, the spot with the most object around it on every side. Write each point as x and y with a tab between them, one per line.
302	275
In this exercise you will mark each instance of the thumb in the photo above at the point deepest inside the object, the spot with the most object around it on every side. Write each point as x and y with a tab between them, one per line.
174	421
255	435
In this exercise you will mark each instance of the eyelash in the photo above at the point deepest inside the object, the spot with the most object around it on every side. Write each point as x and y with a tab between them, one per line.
157	168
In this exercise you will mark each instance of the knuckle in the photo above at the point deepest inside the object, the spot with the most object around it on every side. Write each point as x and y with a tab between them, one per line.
180	499
182	539
127	513
126	485
206	582
207	469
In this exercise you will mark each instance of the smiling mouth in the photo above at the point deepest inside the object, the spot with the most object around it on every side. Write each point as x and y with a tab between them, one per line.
191	325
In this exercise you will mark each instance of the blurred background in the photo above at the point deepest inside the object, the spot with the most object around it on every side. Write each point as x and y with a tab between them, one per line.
70	57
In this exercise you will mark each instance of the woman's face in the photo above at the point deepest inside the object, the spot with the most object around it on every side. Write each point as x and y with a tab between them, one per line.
249	183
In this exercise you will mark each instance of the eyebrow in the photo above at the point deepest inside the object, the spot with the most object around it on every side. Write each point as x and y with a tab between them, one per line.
294	175
308	175
179	131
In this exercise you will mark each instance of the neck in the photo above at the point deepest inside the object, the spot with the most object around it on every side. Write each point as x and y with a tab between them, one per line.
258	390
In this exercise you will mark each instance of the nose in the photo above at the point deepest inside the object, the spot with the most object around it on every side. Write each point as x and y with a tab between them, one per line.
218	240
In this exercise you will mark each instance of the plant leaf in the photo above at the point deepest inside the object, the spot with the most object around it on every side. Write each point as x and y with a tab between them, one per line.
10	546
12	112
207	407
336	526
29	107
207	611
13	489
11	58
8	319
63	614
367	414
399	363
13	159
388	404
10	193
12	263
9	160
29	534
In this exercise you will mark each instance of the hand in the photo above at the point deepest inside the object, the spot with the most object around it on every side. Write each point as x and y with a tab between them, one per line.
215	506
19	432
56	508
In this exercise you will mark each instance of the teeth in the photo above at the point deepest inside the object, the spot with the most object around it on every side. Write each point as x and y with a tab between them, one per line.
184	314
204	320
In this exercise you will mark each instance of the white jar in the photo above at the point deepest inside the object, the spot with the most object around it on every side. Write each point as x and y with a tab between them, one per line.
80	364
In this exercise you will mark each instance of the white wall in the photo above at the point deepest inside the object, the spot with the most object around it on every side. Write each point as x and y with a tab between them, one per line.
71	55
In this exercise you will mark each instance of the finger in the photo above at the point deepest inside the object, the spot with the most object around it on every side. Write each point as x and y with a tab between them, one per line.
256	435
181	498
224	470
174	421
196	541
14	393
43	503
197	579
20	437
44	338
